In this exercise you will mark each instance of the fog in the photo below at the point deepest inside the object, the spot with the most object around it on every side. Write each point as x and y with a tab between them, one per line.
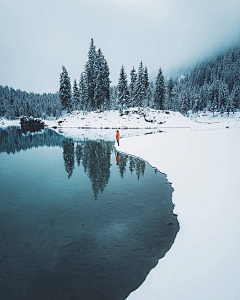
38	37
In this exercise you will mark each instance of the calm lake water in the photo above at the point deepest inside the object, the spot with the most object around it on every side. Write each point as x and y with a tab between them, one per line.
78	220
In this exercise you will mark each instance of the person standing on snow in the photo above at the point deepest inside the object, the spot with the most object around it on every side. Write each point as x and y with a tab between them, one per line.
118	137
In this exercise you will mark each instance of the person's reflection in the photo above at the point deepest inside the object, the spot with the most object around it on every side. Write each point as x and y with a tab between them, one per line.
117	158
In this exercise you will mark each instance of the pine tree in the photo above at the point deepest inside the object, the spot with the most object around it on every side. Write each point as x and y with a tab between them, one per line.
170	94
214	105
159	91
229	105
132	86
140	86
146	79
90	74
123	92
65	94
98	75
75	96
197	104
236	97
183	107
106	85
83	93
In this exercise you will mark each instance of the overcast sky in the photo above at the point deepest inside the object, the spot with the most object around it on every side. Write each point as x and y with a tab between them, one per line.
37	37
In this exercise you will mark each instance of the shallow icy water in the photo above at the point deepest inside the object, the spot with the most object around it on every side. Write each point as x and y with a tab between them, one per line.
77	219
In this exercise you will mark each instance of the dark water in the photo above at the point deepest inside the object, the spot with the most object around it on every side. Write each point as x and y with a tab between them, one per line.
78	220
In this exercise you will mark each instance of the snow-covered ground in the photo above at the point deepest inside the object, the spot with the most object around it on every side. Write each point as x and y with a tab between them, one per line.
132	118
204	168
137	119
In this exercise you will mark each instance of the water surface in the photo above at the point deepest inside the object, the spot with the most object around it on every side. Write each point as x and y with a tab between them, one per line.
78	220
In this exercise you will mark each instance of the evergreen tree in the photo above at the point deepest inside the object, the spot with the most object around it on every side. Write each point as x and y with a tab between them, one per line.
123	92
140	86
214	105
83	93
132	86
90	74
197	104
236	97
102	86
106	85
170	94
98	74
159	91
75	95
183	103
65	94
146	80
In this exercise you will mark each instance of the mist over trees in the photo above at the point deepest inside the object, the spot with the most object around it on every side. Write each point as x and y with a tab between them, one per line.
213	85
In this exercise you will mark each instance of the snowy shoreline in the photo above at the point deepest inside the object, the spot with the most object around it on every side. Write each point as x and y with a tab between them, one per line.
204	169
136	119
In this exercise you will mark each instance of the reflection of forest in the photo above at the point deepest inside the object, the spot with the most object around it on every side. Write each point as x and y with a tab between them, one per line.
13	139
93	156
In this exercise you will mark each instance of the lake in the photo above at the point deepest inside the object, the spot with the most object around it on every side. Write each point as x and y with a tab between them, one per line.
78	220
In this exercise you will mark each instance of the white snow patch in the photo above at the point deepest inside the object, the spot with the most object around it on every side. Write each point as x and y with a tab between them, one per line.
204	168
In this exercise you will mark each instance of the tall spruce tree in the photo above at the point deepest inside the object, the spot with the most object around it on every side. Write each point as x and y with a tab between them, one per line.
146	79
90	74
170	94
98	75
106	85
132	86
83	93
140	86
159	91
65	91
123	92
75	96
102	87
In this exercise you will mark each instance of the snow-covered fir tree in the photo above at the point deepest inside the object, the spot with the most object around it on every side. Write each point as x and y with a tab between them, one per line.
123	92
170	95
160	91
98	78
106	85
65	92
132	87
146	79
140	87
83	93
75	96
90	74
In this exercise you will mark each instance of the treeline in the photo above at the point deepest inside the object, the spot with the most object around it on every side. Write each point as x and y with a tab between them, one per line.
16	103
213	85
93	91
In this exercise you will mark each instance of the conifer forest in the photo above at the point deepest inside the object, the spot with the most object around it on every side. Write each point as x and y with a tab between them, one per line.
212	85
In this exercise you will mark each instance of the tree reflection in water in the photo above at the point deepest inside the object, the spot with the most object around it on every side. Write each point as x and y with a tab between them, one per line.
93	156
68	156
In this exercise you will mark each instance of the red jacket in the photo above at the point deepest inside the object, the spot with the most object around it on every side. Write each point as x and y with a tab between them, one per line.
118	135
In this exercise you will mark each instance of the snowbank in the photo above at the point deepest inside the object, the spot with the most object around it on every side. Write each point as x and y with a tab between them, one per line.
204	168
5	123
131	118
137	119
